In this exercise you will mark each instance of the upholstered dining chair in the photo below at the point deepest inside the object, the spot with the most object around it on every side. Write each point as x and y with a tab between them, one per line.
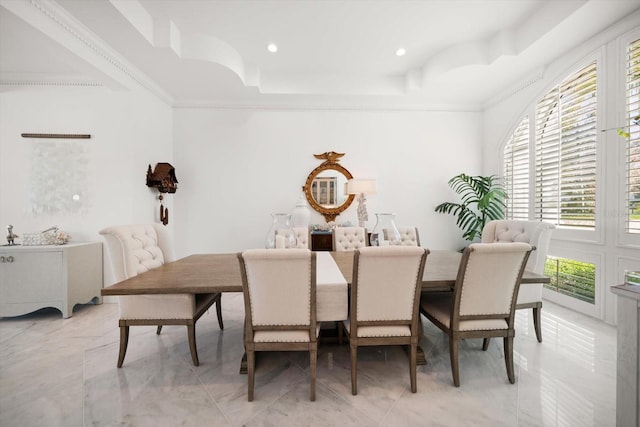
384	302
279	288
408	237
538	235
302	237
349	238
482	304
135	249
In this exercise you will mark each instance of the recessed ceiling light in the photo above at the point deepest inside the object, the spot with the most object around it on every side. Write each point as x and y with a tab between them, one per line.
401	52
271	47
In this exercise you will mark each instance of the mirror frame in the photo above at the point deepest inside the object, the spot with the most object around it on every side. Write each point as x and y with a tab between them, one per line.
331	163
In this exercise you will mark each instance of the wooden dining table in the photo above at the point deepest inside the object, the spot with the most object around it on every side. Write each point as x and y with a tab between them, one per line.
211	273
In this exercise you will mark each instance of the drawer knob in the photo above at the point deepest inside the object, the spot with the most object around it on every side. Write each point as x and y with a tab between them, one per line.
1	259
9	258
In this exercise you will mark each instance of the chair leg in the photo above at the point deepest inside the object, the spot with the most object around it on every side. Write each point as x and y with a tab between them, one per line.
354	367
124	341
485	344
159	329
191	331
313	357
412	367
537	322
508	358
219	312
251	372
453	354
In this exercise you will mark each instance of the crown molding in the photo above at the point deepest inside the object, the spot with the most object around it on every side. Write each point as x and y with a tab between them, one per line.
55	22
528	80
59	80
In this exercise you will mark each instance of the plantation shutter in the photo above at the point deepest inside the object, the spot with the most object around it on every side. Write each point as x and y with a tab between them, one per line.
633	144
565	146
516	172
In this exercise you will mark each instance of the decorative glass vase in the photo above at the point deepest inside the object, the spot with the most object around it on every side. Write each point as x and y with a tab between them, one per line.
385	232
281	235
301	215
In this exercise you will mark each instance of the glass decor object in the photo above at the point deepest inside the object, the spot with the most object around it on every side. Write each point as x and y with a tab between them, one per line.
281	235
385	232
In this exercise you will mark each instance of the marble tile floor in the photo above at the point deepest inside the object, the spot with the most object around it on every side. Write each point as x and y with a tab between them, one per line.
62	372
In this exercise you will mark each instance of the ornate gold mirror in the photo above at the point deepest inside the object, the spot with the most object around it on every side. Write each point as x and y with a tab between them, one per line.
325	187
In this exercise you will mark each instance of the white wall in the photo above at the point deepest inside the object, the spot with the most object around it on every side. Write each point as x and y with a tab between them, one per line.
129	130
236	167
607	247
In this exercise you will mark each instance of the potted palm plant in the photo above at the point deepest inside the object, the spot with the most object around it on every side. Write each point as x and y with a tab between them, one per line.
483	199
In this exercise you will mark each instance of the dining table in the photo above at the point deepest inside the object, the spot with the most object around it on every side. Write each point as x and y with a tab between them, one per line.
220	272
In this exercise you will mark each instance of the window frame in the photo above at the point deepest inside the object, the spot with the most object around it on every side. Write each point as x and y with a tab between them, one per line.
595	235
624	239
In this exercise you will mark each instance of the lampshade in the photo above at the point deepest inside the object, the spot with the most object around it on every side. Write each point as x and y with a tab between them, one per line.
361	186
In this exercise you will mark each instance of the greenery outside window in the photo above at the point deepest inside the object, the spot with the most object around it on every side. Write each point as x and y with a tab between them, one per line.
570	277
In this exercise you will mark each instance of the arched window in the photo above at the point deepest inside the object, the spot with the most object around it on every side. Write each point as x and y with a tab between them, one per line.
565	156
516	172
565	152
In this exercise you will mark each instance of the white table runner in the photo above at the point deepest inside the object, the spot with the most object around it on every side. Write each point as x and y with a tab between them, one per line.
331	290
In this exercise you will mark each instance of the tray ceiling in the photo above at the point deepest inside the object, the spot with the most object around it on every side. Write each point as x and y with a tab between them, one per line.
459	53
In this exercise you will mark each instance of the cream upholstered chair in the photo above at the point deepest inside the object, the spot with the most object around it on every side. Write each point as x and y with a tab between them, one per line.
279	288
482	304
538	235
408	237
302	237
134	249
384	302
349	238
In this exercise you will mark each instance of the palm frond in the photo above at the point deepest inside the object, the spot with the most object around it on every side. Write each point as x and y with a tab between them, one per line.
483	199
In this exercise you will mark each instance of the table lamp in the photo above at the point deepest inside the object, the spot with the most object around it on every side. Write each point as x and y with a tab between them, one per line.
361	187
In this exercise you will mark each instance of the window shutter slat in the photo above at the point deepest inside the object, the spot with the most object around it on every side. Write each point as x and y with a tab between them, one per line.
516	172
633	143
565	147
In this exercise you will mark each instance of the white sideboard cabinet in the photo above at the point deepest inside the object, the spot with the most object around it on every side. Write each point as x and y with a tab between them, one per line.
628	355
34	277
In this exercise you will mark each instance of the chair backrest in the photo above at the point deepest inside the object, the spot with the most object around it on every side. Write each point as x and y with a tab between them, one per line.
488	281
279	288
302	237
536	233
387	282
408	237
349	238
137	248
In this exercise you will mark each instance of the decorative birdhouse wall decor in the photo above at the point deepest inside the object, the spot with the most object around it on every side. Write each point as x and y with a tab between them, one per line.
163	177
